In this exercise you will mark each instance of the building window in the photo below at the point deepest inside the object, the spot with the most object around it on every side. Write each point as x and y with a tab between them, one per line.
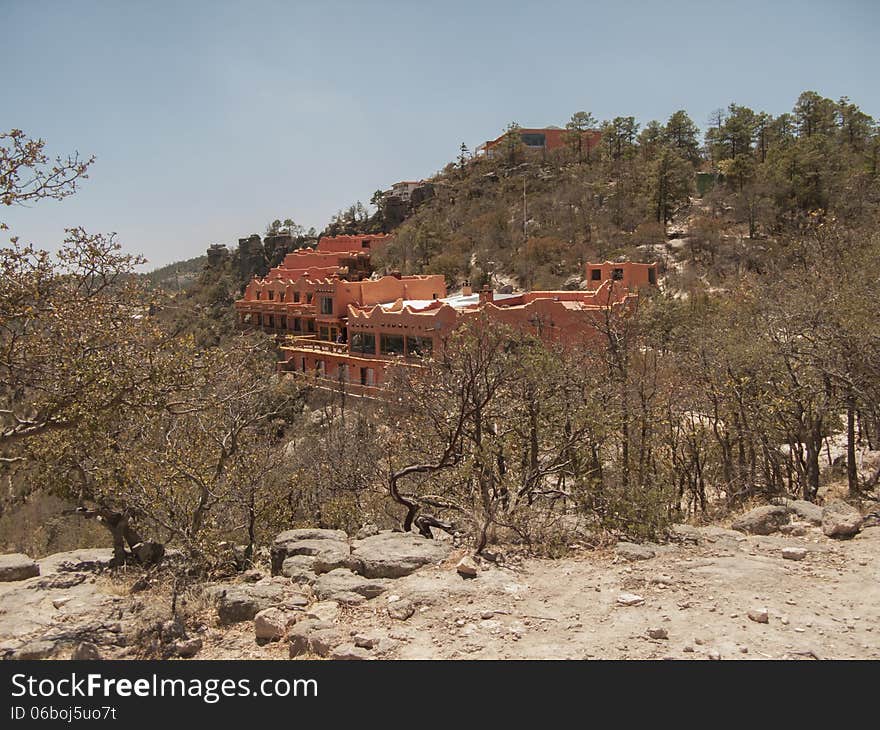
297	324
310	326
258	320
271	295
295	297
596	274
283	324
324	333
617	274
652	276
270	321
309	298
392	344
533	140
365	243
326	305
281	296
419	346
363	342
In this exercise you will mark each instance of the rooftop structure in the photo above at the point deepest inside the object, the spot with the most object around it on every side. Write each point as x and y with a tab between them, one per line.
540	139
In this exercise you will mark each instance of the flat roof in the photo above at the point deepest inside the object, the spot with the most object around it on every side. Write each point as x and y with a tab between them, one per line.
458	301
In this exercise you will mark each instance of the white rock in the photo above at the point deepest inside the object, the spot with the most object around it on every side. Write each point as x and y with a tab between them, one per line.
794	553
630	599
759	615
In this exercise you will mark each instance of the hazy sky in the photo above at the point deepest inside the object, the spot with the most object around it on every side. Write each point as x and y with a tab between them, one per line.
209	119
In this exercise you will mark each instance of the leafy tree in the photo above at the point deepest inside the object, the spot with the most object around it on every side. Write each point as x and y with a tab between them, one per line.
576	128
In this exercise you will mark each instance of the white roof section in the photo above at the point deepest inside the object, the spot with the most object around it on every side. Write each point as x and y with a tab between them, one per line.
458	301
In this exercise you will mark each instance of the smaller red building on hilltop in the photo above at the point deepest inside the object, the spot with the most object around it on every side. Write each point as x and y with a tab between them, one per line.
541	139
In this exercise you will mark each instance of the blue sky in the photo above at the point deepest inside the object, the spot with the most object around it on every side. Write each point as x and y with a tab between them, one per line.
209	119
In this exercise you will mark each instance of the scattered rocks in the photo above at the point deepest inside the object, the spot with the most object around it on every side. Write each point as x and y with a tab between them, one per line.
401	610
794	553
658	633
762	520
840	519
630	599
396	554
759	615
17	566
467	567
271	624
632	551
86	651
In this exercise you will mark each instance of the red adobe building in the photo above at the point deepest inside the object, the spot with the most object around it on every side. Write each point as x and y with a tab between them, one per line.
543	139
337	327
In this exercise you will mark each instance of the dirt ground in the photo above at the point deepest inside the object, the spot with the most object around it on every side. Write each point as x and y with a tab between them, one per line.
699	592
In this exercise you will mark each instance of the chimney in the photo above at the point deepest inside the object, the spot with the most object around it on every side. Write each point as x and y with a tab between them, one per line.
466	289
486	294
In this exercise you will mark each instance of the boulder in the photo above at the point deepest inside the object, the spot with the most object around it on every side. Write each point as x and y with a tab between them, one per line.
396	554
794	553
349	652
327	611
759	615
281	546
86	651
271	624
77	561
299	568
401	610
658	632
187	648
632	551
314	637
243	602
38	649
762	520
327	553
367	530
341	580
467	567
17	566
807	511
840	519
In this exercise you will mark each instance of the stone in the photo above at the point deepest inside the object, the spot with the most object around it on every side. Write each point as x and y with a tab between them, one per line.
759	615
38	649
86	651
243	602
840	519
794	553
401	610
467	567
282	545
807	511
188	648
367	530
396	554
252	575
271	624
148	553
314	637
632	551
349	652
342	580
77	561
762	520
324	611
17	566
327	554
630	599
299	568
658	633
366	641
714	655
61	601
